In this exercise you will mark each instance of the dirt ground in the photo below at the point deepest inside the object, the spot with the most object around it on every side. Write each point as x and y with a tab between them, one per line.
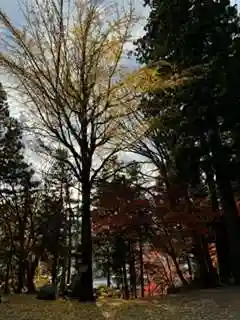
209	304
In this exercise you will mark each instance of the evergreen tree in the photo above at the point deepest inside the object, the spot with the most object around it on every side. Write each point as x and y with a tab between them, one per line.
188	32
24	200
58	223
17	195
11	146
202	36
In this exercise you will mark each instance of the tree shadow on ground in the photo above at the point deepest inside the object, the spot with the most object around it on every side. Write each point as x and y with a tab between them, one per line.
204	304
22	307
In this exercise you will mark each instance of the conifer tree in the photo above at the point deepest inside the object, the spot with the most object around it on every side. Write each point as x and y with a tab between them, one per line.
201	36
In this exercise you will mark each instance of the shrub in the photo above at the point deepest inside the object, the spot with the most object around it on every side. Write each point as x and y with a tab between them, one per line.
105	291
74	287
47	292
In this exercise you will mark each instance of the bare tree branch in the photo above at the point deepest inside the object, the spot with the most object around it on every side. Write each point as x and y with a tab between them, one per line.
66	64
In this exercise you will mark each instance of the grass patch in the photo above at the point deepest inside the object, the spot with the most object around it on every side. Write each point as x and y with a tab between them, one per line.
22	307
207	305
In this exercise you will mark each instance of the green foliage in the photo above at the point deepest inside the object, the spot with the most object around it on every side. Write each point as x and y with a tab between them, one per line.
195	135
11	150
110	292
18	197
188	33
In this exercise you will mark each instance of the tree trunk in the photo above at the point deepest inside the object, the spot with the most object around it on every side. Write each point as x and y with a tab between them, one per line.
63	276
108	269
125	282
21	273
119	279
69	267
173	255
189	267
222	247
201	278
141	265
70	220
7	275
227	199
179	271
212	187
149	284
13	278
232	223
132	270
21	260
86	283
54	269
213	193
212	273
206	277
170	270
31	269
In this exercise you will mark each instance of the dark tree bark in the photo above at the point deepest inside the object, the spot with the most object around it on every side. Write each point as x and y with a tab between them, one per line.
179	271
170	271
125	282
69	235
7	275
108	269
207	276
31	269
189	267
54	269
63	276
221	166
69	266
223	250
86	283
216	226
21	276
212	273
21	256
141	265
171	251
132	270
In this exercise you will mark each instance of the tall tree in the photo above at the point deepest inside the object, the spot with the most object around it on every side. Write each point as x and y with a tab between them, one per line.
121	222
11	151
17	194
200	35
59	182
66	61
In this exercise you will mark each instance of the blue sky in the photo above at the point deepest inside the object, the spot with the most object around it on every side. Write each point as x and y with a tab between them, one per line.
12	8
